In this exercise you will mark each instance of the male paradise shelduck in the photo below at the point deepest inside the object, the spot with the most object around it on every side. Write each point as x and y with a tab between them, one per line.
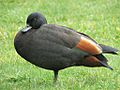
55	47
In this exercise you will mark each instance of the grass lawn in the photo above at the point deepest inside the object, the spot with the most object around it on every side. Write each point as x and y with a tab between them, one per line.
100	19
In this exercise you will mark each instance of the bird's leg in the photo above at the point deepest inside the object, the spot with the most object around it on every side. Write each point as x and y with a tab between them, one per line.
55	75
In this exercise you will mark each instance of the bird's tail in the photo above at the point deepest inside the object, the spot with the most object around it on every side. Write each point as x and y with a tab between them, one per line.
108	49
103	61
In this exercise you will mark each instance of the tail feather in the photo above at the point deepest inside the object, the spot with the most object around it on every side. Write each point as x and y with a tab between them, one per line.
106	65
108	49
103	61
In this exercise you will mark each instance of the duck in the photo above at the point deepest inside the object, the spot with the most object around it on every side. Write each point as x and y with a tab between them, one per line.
54	47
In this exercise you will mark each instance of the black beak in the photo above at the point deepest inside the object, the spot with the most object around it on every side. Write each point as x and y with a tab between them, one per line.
26	29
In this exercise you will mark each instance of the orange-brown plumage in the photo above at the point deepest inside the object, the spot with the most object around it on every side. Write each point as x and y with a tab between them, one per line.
89	46
92	59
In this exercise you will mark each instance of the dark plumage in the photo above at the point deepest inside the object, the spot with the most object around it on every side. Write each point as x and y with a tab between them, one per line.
55	47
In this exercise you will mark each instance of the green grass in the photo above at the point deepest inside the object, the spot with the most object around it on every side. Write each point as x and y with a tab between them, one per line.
100	19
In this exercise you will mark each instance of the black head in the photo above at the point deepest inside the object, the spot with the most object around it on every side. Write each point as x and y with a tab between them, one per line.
34	20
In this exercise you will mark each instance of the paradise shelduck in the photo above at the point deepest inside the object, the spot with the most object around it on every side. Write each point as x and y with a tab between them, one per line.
55	47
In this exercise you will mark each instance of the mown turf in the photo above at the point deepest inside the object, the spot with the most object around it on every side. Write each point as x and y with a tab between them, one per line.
100	19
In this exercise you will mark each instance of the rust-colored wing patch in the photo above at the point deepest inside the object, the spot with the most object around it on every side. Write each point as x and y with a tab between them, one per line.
91	59
89	46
